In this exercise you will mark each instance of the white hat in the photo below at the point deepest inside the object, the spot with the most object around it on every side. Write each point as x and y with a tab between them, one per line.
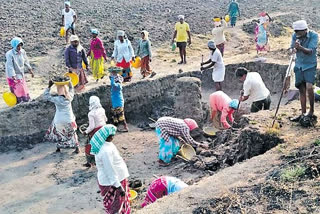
300	25
211	44
74	38
181	17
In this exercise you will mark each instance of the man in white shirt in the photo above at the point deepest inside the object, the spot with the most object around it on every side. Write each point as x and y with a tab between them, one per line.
255	88
69	17
215	61
218	34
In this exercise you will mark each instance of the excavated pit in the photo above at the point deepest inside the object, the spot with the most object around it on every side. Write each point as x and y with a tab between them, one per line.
181	95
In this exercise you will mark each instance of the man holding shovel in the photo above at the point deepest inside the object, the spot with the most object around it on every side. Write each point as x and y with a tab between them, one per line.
304	44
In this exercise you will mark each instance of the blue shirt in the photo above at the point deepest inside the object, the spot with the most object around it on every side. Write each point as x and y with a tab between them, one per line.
305	61
116	94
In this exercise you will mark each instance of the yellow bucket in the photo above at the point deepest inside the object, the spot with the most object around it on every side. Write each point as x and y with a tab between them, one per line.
73	77
84	65
133	195
227	18
216	19
62	31
9	98
187	151
136	63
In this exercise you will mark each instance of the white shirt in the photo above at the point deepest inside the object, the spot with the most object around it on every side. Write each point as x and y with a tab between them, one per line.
97	118
111	167
219	68
218	33
254	87
68	17
123	50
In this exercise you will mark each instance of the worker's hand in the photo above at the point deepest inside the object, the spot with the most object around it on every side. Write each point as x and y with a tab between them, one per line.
122	192
150	60
133	59
201	64
292	51
189	41
31	72
172	41
50	84
297	45
202	68
204	145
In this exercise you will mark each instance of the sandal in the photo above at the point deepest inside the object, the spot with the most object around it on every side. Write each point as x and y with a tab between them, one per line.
296	119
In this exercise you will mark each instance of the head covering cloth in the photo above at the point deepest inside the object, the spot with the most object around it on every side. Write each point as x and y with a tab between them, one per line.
146	34
192	124
67	3
234	104
181	17
94	31
15	42
211	44
94	103
100	137
300	25
74	38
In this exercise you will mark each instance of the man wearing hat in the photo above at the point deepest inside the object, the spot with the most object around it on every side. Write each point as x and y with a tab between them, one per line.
69	17
304	44
215	61
183	36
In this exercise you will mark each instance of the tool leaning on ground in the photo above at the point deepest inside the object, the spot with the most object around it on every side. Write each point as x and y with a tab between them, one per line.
283	88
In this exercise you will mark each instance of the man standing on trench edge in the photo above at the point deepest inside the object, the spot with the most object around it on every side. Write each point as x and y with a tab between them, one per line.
304	44
183	36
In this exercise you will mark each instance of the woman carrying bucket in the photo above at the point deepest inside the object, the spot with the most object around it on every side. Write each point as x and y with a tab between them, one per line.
112	171
16	60
168	130
162	186
123	53
144	52
63	128
98	55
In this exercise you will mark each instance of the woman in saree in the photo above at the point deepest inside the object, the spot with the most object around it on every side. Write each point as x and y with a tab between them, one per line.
261	35
162	186
63	128
123	53
144	52
97	54
234	12
74	55
112	171
97	119
168	130
16	60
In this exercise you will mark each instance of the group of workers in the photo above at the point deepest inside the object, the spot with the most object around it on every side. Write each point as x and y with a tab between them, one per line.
100	151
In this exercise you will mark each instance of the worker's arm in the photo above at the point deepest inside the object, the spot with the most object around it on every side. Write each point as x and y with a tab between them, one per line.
209	66
187	137
189	35
91	123
213	114
84	58
244	98
67	58
149	50
71	90
223	119
10	72
238	10
62	21
223	23
74	19
230	116
174	36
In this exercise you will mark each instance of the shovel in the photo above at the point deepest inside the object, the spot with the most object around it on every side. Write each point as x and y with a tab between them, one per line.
283	88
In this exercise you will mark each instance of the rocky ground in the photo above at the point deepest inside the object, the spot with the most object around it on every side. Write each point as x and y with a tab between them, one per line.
284	180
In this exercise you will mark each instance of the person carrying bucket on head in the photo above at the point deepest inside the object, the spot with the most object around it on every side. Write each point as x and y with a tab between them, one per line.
234	12
123	53
168	130
97	54
304	44
222	103
218	33
215	61
16	60
69	17
254	88
182	36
